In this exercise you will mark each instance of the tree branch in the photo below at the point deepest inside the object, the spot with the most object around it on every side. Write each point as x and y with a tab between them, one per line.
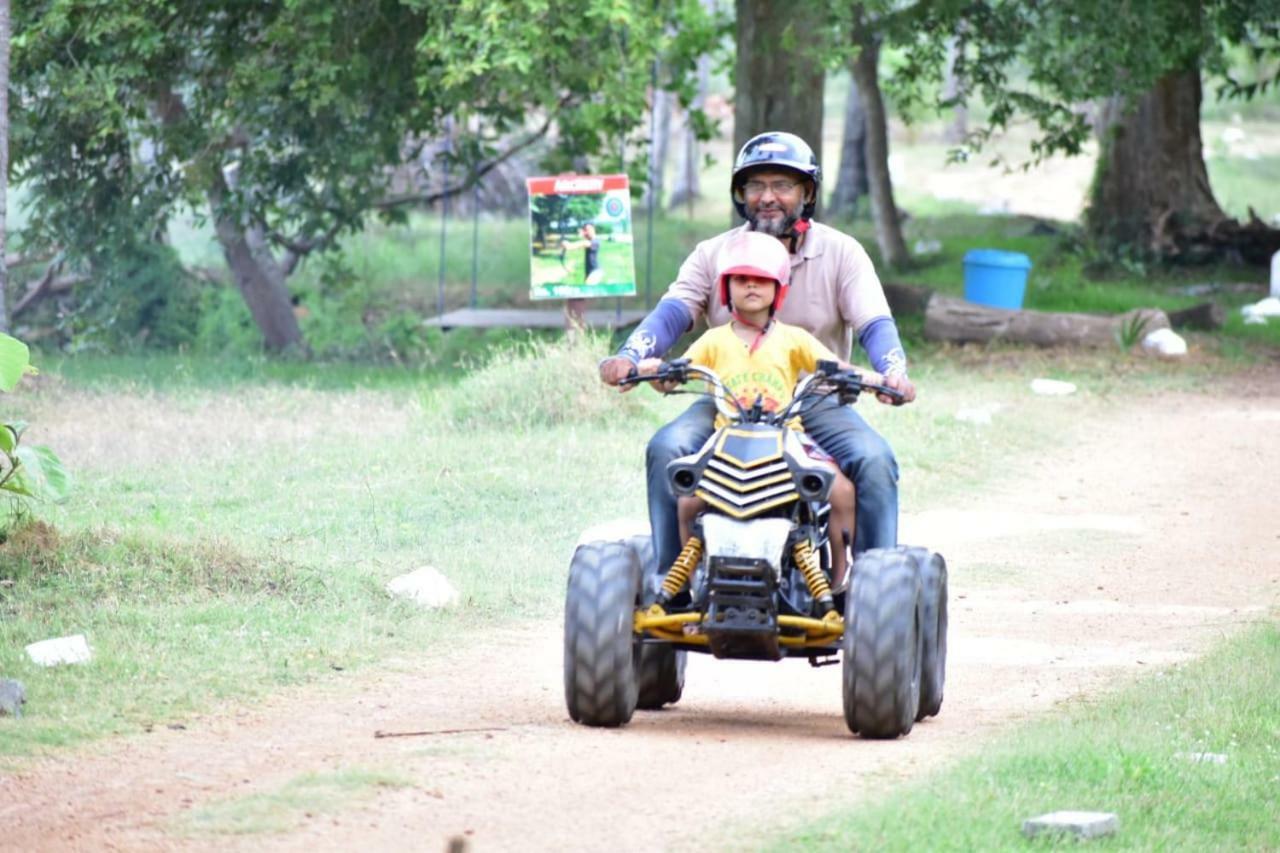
49	283
478	173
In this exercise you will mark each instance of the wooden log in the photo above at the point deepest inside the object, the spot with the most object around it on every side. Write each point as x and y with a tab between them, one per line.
947	318
1206	316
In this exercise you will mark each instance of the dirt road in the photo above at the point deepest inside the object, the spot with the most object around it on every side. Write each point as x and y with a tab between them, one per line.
1130	549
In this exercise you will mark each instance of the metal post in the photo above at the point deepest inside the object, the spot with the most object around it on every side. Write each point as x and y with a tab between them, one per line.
475	240
653	135
444	210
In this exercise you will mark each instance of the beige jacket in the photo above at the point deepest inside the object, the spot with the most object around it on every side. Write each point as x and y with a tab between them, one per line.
834	287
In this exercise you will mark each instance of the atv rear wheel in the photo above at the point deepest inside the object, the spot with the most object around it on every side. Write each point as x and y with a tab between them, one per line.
933	661
660	668
600	652
882	644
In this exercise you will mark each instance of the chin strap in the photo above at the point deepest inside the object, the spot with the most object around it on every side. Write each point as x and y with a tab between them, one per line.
797	233
760	330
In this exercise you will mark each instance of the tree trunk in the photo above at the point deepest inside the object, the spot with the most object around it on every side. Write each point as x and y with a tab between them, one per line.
4	163
953	90
688	182
659	146
893	249
851	179
1151	189
947	318
778	89
258	275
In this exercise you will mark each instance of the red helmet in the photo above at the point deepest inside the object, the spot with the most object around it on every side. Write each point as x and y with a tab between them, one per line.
753	253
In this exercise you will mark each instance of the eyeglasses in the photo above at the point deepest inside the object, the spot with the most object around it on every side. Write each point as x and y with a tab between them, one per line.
780	187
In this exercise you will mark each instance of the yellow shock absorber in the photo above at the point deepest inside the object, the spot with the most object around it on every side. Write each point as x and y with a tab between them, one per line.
807	561
680	570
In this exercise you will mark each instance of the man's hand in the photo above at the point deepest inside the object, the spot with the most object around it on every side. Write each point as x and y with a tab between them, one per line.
900	383
614	370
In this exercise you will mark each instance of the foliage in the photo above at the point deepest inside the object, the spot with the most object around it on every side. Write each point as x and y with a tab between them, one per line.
132	112
26	472
1043	60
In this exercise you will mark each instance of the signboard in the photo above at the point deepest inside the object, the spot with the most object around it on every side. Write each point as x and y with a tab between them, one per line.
580	237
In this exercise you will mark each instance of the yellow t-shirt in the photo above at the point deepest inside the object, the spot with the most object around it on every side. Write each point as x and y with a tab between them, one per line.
770	372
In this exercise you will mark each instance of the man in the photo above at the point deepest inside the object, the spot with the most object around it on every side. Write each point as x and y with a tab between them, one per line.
590	244
834	294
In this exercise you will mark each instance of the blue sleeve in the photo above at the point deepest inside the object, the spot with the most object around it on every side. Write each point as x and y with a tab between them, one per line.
880	339
668	320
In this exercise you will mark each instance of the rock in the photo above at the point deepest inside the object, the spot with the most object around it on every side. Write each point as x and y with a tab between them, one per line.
1052	387
1165	343
1262	310
979	414
60	650
1079	824
12	697
425	587
1202	757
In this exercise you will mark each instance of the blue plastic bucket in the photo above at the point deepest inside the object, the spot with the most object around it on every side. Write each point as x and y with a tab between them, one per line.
995	278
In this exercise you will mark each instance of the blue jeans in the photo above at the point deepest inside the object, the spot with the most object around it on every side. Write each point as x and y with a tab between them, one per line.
863	455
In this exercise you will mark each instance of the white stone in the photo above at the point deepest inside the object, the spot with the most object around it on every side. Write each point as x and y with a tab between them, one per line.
1202	757
1052	387
1079	824
60	650
618	530
425	587
1262	309
979	414
1165	342
926	247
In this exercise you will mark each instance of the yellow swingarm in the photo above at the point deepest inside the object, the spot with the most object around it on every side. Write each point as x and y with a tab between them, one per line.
662	625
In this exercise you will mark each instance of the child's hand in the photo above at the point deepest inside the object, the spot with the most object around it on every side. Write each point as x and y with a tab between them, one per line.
649	367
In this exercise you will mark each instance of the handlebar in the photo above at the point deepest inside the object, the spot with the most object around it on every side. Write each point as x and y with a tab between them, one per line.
828	379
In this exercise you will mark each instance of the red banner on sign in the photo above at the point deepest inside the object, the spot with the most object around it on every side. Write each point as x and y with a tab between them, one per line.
576	184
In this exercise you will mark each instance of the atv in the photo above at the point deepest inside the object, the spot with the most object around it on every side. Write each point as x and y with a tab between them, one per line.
754	581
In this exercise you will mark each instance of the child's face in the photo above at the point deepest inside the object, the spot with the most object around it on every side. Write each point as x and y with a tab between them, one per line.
750	293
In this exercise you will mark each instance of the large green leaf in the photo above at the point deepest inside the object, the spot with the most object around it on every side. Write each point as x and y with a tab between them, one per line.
8	438
15	360
45	475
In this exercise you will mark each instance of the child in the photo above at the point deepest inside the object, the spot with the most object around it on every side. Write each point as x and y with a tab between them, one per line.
757	356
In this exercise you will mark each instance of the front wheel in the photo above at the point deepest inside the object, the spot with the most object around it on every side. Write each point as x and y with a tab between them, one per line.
600	652
659	667
882	645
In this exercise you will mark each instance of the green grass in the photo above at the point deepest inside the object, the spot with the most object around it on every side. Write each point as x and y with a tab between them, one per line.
225	539
291	804
1123	754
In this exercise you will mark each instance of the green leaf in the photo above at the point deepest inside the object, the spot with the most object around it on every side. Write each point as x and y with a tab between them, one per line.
8	438
15	360
44	471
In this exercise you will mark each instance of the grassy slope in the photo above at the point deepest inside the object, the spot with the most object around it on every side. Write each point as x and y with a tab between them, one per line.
1127	754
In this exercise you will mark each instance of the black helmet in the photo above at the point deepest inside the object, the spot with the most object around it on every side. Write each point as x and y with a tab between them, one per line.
781	151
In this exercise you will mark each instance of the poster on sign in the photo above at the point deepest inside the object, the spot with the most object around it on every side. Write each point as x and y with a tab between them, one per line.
580	238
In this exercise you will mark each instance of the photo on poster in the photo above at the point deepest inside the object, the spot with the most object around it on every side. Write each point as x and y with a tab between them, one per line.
580	237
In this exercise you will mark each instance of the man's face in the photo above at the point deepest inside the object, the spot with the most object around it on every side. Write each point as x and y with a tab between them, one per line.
774	199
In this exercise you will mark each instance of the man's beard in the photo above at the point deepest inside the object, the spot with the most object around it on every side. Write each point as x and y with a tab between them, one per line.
771	226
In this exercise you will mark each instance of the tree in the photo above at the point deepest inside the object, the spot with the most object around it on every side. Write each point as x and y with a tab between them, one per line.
4	163
865	68
779	70
1151	191
283	121
851	179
